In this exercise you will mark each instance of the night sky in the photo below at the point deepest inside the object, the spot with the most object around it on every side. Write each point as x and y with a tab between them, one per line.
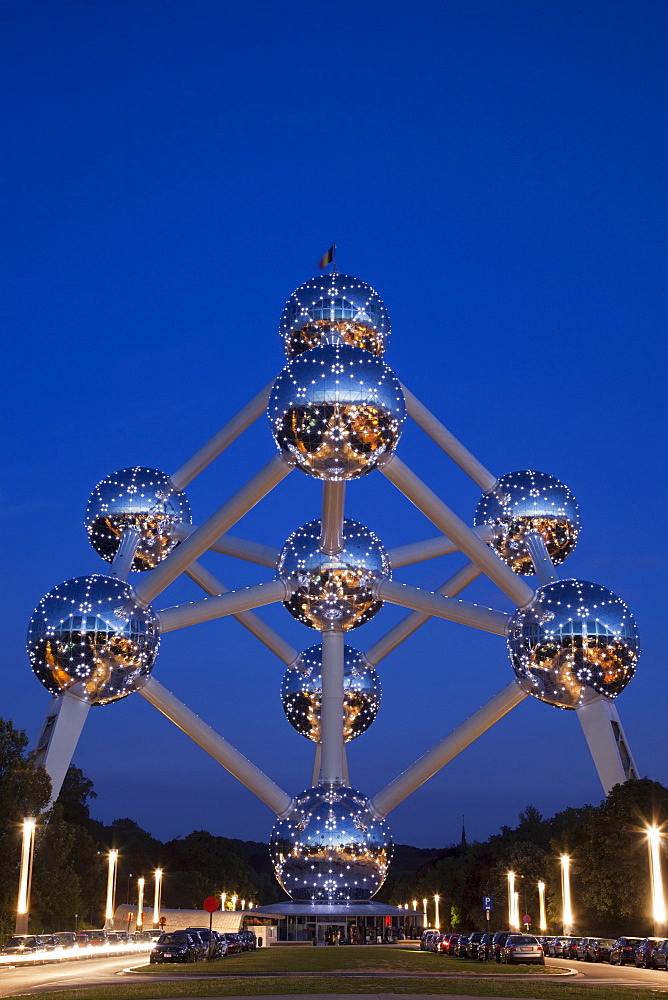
497	171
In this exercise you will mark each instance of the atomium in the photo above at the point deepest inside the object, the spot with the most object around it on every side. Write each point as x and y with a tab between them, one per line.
331	847
336	410
576	641
334	592
335	304
301	693
89	636
140	498
530	501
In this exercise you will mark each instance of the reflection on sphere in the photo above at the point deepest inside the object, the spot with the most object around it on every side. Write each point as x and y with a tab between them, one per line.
532	501
335	411
335	304
335	592
90	636
331	848
301	692
140	498
577	641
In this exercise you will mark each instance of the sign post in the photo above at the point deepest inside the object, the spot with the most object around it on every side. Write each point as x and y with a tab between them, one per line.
526	920
487	904
211	904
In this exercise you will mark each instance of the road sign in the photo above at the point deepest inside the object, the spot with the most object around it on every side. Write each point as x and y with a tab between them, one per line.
526	919
487	903
211	904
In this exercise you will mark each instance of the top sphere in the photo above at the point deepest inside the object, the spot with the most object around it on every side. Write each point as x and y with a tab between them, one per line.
531	501
335	411
145	499
335	304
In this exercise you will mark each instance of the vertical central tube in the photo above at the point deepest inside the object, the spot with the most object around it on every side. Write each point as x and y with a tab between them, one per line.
333	506
331	712
139	923
111	888
157	897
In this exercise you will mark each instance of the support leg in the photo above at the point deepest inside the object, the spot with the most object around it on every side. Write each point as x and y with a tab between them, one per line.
607	742
331	711
125	553
60	734
443	607
230	603
540	557
333	503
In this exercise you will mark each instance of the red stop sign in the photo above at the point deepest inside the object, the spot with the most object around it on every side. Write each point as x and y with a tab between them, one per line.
211	904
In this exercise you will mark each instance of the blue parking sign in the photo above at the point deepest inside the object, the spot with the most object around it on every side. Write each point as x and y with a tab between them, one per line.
487	903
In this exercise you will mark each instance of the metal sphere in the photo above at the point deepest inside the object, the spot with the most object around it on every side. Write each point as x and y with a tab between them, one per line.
579	639
336	410
335	304
530	501
89	636
145	499
301	692
335	592
331	848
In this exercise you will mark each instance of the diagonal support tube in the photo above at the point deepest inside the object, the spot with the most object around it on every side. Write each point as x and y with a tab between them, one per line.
283	650
448	443
230	603
441	754
231	759
239	548
333	504
431	548
412	622
125	553
233	429
232	511
540	557
332	768
443	607
451	525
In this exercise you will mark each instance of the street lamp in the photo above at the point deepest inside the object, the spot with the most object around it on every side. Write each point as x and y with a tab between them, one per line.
567	913
658	903
156	897
223	897
234	902
437	922
139	923
424	907
542	920
25	875
111	889
512	922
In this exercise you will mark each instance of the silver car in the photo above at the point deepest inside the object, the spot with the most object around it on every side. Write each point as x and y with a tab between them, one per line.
522	948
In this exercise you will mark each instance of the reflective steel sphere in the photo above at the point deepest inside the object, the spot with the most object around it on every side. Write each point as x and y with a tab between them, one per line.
331	848
335	304
577	640
140	498
335	592
336	410
89	635
301	692
533	501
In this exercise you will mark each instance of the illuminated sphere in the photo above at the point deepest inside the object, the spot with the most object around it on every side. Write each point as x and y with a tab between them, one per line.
331	848
301	692
532	501
579	639
335	592
335	304
336	410
90	636
140	498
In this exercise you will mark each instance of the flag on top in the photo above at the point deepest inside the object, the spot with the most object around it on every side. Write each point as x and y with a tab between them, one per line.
327	258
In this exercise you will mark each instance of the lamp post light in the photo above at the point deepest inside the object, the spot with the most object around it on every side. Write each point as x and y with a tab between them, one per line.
234	902
511	899
437	922
567	913
156	897
542	920
424	919
658	902
112	871
516	910
223	897
243	904
25	875
139	923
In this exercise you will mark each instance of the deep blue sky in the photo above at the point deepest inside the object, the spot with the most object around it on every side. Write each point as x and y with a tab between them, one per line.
497	170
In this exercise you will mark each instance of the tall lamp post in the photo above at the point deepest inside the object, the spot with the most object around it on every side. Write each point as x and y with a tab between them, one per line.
424	907
437	921
25	876
658	902
567	913
139	923
111	889
542	919
156	897
511	899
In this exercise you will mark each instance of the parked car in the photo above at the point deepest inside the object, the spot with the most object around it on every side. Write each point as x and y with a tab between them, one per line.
233	943
98	938
485	947
250	941
176	946
598	949
522	948
661	956
201	935
570	947
581	949
624	950
474	944
498	942
439	943
644	956
66	939
557	946
83	940
426	934
462	945
24	944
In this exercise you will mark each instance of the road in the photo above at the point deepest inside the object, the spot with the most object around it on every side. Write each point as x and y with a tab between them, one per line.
103	971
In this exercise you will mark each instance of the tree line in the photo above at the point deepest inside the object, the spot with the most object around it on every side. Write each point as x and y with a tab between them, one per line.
607	844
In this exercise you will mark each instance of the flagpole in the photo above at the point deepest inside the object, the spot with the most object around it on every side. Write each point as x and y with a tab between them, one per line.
335	269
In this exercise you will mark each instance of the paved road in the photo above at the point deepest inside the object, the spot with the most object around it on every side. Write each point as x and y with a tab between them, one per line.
103	971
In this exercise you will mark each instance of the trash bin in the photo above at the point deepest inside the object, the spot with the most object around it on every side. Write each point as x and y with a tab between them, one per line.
259	942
